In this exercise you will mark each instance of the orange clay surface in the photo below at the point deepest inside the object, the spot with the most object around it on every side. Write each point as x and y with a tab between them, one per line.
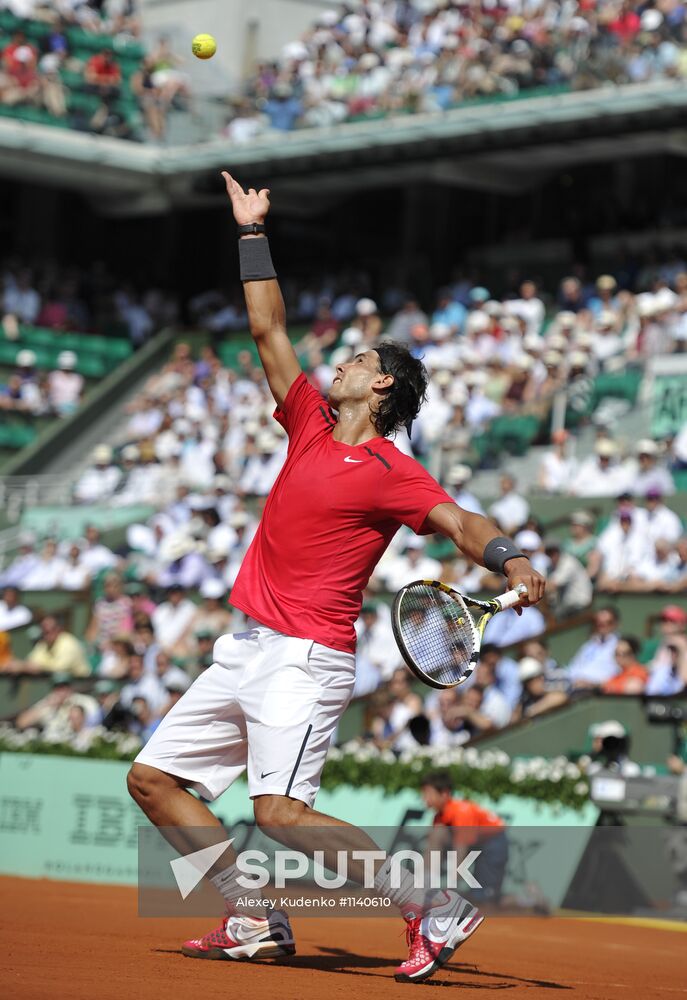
86	942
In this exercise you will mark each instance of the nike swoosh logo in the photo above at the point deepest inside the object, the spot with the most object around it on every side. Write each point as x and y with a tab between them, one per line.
349	459
267	774
501	548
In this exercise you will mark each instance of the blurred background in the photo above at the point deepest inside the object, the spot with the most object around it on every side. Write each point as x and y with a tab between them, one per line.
499	184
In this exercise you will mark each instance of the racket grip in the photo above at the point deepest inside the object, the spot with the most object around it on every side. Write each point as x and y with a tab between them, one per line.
512	597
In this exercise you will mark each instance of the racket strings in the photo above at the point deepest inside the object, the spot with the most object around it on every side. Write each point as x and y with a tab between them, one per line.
438	632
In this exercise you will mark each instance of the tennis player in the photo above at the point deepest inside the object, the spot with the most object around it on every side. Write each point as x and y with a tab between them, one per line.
272	699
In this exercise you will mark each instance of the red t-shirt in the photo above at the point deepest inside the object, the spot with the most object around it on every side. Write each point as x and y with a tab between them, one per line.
464	816
329	517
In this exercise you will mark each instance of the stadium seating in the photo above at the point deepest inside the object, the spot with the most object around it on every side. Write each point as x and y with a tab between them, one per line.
83	45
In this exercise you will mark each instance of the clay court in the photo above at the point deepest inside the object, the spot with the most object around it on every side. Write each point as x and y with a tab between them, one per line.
75	941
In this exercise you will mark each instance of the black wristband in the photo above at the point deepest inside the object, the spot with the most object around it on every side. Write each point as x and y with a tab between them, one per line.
498	551
251	229
255	260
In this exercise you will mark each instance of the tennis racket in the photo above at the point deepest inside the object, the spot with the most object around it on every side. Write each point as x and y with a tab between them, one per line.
436	632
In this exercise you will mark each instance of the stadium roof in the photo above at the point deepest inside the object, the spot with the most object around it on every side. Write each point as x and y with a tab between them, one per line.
506	146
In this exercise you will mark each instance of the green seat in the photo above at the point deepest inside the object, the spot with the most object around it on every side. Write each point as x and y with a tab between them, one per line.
680	480
618	385
513	434
91	367
16	436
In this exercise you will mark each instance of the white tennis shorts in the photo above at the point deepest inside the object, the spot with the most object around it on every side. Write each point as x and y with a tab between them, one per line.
269	703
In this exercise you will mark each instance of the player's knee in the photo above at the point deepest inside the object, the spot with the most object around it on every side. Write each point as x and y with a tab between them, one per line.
272	811
144	784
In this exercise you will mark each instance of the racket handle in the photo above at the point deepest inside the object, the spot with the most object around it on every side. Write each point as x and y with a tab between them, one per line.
512	597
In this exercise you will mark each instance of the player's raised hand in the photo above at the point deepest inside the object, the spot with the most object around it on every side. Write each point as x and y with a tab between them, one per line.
250	206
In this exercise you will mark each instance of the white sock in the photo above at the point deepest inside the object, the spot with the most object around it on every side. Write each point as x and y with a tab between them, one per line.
406	897
227	884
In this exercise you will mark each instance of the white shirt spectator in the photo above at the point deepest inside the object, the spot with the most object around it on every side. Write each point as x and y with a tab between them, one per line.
97	483
411	566
621	552
663	523
508	627
556	473
495	706
97	557
170	621
13	617
657	478
65	388
510	511
46	574
594	479
594	661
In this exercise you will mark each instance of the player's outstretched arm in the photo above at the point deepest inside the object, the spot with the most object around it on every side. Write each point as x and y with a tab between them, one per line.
472	533
266	313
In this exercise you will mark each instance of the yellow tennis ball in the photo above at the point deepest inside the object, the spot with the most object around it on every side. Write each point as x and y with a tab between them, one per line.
203	46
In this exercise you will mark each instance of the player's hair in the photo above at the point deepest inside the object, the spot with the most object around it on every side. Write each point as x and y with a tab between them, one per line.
401	404
439	780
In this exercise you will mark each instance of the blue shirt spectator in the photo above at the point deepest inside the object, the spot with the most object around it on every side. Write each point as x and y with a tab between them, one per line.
594	663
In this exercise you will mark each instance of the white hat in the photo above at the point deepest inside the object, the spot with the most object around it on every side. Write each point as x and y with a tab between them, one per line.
351	336
458	474
583	340
646	304
474	378
366	307
605	448
440	331
415	542
66	360
26	359
552	358
651	20
533	342
578	359
442	377
523	362
566	319
493	308
557	342
665	299
177	547
477	321
606	318
528	668
647	447
458	395
182	426
212	589
102	454
368	60
266	442
528	541
130	453
609	728
239	519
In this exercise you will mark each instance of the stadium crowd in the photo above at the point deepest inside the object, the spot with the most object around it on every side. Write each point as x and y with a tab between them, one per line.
380	57
199	445
45	71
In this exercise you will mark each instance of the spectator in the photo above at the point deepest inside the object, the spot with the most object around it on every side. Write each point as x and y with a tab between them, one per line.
511	510
651	477
172	617
557	467
65	385
622	547
633	676
19	81
47	571
12	613
75	576
594	663
111	613
494	703
460	717
537	695
661	521
457	479
52	714
20	298
568	588
610	750
374	650
96	556
667	670
411	565
103	77
56	652
210	616
600	476
100	480
23	564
